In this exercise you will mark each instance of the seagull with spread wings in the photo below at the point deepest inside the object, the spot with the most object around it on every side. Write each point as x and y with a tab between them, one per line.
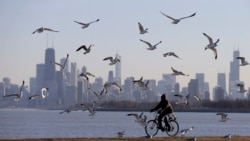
91	110
110	84
61	65
212	45
171	54
86	74
112	60
150	46
176	21
141	28
42	29
242	88
16	95
86	49
138	118
44	93
224	117
85	25
175	72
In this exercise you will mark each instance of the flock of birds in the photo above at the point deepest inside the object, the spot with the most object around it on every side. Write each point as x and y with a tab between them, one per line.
144	85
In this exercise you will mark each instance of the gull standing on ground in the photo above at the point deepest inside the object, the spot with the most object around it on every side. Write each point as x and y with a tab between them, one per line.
150	46
184	131
86	49
142	30
120	134
211	44
170	54
112	60
109	84
139	119
224	117
242	88
229	136
44	93
85	25
61	65
91	110
86	74
17	95
243	61
41	29
176	21
175	72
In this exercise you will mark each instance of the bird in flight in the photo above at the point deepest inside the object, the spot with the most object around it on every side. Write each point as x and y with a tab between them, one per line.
139	81
138	118
150	46
243	61
224	117
85	25
141	28
42	29
61	65
86	49
176	21
44	93
17	95
86	74
211	45
109	84
112	60
171	54
91	110
242	88
175	72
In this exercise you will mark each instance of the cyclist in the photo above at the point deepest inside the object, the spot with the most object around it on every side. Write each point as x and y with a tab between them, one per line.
166	108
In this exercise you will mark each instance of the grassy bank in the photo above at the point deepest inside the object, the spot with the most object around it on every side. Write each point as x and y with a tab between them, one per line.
203	138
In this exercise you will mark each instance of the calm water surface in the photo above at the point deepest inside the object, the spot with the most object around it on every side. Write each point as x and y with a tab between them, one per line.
23	123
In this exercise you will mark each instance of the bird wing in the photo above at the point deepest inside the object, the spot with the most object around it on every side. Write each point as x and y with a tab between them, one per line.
115	84
209	38
65	61
48	29
34	96
197	97
80	23
215	52
149	44
56	63
168	16
81	47
179	95
133	114
90	74
9	95
242	59
140	27
175	71
21	87
188	16
109	58
41	28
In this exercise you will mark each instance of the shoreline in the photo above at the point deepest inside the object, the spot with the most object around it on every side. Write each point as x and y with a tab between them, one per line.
177	138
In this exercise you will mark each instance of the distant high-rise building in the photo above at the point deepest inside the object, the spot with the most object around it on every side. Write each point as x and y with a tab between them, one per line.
110	76
49	68
218	93
201	80
2	90
118	70
234	74
73	74
7	83
221	81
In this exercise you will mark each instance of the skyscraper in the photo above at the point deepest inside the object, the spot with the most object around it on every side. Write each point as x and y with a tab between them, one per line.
118	70
221	81
234	74
201	80
49	68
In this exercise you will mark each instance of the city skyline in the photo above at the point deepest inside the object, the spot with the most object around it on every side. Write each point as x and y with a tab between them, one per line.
117	32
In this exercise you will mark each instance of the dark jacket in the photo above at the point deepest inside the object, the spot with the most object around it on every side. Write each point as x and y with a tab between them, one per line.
163	105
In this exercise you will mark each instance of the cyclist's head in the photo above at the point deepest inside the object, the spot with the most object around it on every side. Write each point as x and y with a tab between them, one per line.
163	97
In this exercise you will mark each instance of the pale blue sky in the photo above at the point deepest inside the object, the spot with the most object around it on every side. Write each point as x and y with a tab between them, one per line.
117	32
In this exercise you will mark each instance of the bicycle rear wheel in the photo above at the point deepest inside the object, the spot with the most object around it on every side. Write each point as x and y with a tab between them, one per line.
151	128
174	128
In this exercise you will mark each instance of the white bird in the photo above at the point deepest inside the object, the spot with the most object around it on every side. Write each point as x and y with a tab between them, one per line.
85	25
142	30
62	66
44	93
171	54
175	72
184	131
224	117
86	74
90	109
112	60
139	119
120	134
86	49
109	84
16	95
242	88
176	21
41	29
211	44
150	46
243	61
139	81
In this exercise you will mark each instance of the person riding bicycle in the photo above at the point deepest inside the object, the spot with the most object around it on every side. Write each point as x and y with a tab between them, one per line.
166	108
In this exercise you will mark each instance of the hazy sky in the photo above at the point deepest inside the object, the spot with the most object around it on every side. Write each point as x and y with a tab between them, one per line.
117	32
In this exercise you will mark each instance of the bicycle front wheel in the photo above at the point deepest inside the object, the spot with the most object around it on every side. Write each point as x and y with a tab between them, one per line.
151	128
174	128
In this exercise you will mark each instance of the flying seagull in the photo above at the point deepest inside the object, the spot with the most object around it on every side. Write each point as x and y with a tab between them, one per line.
211	44
175	72
61	65
141	28
171	54
17	95
44	93
85	25
138	118
243	61
90	109
109	84
242	88
86	49
150	46
112	60
139	81
41	29
224	117
176	21
86	74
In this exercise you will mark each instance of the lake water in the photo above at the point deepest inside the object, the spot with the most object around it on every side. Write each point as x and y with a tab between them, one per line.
30	123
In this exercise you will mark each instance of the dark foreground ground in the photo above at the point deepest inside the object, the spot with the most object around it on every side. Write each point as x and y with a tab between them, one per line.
203	138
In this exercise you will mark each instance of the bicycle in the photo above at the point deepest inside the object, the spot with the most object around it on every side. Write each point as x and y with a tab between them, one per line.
151	127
